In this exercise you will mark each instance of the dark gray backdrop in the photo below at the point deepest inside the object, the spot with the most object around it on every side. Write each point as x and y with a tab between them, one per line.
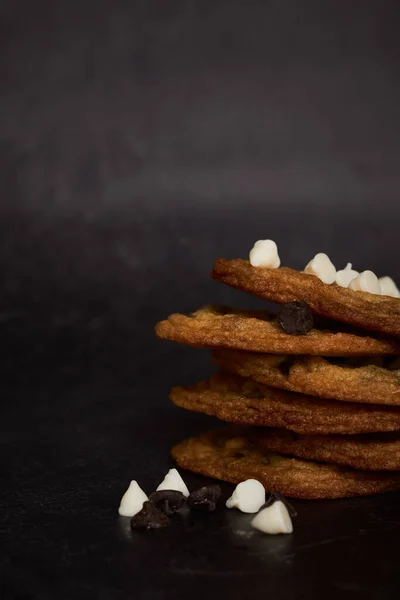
140	140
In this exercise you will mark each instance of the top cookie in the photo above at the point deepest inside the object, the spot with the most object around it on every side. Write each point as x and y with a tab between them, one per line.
257	331
362	309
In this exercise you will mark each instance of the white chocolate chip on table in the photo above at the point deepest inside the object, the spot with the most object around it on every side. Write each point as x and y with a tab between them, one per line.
273	519
265	254
322	267
367	281
173	481
132	501
248	496
344	277
388	287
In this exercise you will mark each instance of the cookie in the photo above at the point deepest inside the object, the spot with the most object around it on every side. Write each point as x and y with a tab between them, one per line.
369	311
257	331
237	400
228	454
351	380
376	452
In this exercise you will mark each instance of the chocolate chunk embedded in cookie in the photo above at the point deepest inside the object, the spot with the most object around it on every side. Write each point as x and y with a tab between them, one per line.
258	331
296	318
362	309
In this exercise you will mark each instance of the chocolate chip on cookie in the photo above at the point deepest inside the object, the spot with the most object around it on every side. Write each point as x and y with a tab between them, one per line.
256	331
296	318
205	498
167	501
149	518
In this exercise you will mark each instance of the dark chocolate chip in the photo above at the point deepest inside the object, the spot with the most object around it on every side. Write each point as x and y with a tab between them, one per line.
205	498
275	497
149	518
239	455
285	366
168	501
296	318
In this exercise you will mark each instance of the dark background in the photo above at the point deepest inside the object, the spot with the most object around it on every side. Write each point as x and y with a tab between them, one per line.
139	140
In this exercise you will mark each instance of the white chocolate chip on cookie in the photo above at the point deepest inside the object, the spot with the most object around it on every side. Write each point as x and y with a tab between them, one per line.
265	254
322	267
344	277
367	281
388	287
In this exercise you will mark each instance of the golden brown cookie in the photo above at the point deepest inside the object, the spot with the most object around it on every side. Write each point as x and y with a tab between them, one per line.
369	311
351	380
237	400
257	331
228	454
374	451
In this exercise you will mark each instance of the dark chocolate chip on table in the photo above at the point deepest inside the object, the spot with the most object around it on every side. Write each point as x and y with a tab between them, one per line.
296	318
149	518
275	497
205	498
168	501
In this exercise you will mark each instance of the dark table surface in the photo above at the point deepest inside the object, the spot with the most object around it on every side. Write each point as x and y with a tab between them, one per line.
79	425
85	410
139	140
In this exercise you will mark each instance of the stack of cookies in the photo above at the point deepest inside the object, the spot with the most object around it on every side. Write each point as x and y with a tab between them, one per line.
313	393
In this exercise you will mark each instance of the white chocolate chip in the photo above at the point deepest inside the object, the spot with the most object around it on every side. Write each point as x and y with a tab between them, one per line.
273	519
132	500
322	267
344	277
265	254
367	281
248	496
388	287
173	481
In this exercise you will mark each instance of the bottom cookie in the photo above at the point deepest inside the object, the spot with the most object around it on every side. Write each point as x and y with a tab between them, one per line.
373	451
230	455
